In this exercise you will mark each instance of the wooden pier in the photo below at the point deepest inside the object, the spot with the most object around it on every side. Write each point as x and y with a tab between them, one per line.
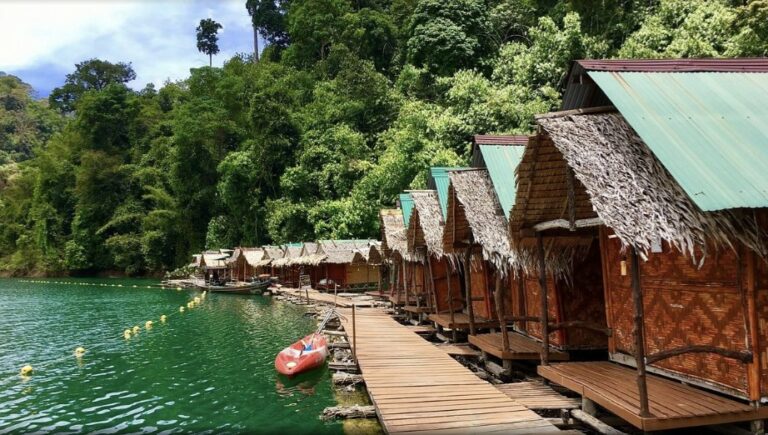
418	388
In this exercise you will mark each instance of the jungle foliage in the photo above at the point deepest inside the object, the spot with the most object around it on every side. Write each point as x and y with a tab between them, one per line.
350	103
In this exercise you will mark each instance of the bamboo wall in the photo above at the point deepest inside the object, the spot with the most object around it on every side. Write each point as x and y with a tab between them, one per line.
579	299
337	273
482	286
362	274
685	305
442	272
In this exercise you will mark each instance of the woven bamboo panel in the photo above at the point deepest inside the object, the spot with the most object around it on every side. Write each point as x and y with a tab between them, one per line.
762	316
533	308
442	272
584	300
416	278
480	289
683	306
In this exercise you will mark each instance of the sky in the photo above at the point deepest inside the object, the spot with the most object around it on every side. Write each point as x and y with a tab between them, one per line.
43	40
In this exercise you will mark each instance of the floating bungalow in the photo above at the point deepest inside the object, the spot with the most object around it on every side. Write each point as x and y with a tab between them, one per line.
214	266
273	253
247	263
663	163
341	266
287	271
394	248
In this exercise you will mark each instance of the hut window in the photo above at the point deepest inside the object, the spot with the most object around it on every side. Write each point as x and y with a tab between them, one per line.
623	267
656	245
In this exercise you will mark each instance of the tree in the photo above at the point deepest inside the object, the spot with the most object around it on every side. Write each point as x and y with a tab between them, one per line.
89	75
268	19
208	38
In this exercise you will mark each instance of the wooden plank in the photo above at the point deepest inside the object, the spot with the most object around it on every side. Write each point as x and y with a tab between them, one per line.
417	386
673	405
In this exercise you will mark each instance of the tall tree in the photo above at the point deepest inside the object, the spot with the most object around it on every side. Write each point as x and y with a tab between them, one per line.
92	74
208	38
268	19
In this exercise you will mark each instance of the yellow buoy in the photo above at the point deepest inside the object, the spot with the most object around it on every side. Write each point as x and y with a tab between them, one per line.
26	370
163	318
181	309
127	334
136	329
178	288
79	351
197	300
148	325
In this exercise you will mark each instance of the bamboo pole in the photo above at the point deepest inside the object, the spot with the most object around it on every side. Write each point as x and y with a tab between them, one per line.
544	303
354	333
468	288
450	306
499	298
637	298
432	283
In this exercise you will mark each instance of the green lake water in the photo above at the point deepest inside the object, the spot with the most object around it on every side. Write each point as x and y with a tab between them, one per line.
209	369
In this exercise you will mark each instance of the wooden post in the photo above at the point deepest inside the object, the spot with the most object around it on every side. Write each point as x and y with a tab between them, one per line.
753	327
405	283
500	313
468	288
432	283
354	334
637	298
544	303
450	305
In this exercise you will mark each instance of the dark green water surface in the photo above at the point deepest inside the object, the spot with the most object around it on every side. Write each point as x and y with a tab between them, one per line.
208	369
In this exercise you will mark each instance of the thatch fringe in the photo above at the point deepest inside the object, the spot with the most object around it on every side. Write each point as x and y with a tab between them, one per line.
427	219
474	191
636	196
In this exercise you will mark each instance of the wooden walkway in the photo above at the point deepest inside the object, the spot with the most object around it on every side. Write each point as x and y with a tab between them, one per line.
672	404
417	388
316	296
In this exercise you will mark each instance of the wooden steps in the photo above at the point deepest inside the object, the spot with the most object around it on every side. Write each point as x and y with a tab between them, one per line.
461	321
520	347
536	395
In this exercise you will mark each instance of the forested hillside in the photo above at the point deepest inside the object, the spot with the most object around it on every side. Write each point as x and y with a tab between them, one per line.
348	105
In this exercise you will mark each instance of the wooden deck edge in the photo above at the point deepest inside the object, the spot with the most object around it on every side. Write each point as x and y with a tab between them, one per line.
649	423
486	346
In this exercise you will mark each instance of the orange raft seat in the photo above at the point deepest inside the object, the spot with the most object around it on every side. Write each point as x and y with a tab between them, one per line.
304	355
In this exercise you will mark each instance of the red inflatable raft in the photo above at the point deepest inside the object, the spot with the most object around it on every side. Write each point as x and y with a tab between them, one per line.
306	354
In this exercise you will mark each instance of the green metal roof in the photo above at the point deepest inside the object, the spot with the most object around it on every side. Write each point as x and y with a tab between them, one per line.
502	161
406	204
440	179
709	129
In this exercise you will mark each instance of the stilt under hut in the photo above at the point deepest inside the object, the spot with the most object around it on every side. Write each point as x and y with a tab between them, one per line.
394	247
675	173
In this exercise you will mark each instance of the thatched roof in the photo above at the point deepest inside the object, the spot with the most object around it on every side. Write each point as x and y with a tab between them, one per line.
255	257
309	255
292	251
343	251
425	229
634	194
393	236
214	260
273	252
474	214
374	254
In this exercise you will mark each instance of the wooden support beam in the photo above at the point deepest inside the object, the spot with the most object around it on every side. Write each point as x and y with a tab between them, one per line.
565	224
468	289
499	298
450	308
594	423
544	303
741	356
637	298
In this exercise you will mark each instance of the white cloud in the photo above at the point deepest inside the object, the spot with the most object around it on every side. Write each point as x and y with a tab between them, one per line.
157	37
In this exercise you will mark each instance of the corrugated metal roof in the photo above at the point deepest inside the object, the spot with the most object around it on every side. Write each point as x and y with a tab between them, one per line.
406	205
710	130
755	64
439	181
502	162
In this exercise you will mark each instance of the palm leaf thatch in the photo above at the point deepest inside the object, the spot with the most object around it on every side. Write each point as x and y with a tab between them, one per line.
344	251
635	195
394	244
475	215
425	229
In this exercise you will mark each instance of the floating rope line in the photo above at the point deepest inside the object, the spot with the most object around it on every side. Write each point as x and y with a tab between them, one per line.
28	370
95	284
